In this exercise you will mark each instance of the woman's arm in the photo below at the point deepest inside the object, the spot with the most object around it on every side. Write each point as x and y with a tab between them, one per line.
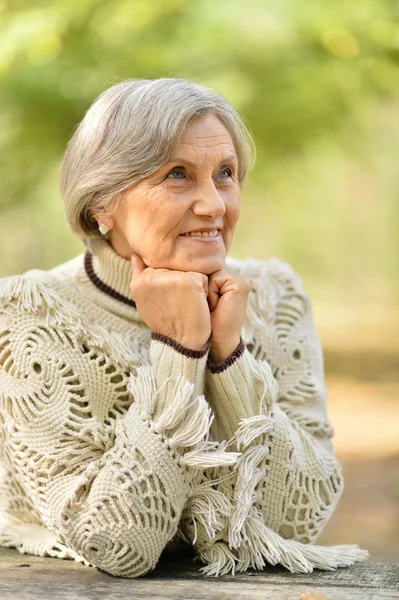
105	455
280	333
272	407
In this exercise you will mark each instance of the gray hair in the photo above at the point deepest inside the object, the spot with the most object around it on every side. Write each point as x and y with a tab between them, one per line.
128	133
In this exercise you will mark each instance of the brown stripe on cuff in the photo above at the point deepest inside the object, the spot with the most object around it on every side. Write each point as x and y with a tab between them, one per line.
227	362
160	337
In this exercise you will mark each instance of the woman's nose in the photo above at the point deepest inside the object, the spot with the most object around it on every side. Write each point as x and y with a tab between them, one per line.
208	201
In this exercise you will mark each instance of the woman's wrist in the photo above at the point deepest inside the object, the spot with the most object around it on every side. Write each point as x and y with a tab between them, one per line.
189	348
219	353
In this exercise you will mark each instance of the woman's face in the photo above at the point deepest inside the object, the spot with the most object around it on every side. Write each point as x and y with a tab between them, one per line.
197	189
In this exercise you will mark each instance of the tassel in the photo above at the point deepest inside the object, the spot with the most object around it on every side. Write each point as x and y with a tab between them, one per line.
176	411
201	458
185	421
120	348
142	386
207	506
295	556
254	542
265	545
33	296
221	560
196	426
252	428
248	478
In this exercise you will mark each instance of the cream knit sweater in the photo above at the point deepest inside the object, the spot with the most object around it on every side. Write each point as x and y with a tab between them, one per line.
115	441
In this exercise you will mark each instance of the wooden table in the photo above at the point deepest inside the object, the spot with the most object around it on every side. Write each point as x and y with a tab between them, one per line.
26	577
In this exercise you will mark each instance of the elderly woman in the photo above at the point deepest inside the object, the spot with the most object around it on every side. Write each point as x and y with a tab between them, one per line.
153	389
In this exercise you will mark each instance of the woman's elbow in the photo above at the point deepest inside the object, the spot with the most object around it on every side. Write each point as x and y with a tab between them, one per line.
119	548
122	553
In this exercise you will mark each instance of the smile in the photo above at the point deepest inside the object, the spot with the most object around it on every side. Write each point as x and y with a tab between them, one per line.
203	236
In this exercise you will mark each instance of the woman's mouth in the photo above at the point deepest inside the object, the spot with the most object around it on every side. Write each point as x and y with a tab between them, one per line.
203	236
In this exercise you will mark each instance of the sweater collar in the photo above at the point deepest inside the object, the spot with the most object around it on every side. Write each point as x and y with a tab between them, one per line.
108	271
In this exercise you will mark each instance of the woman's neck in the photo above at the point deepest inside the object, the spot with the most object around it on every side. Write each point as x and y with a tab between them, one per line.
108	271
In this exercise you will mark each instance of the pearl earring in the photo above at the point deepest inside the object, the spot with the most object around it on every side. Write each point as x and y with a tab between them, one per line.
104	228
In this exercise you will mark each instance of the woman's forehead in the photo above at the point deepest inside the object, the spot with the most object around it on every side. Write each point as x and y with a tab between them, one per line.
209	139
207	126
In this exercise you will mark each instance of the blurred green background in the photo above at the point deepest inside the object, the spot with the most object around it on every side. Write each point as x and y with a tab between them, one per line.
318	85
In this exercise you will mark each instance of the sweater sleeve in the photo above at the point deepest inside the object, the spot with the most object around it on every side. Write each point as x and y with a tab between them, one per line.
272	407
105	454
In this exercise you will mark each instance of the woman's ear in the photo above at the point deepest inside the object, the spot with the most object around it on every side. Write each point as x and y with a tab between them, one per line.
105	215
94	216
101	217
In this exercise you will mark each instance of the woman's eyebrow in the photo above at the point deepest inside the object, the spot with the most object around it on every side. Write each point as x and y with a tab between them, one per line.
188	162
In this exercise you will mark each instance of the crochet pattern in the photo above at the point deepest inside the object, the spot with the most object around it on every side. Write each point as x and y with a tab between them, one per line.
108	480
114	442
285	486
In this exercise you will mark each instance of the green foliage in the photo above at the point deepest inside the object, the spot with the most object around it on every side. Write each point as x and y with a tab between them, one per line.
317	83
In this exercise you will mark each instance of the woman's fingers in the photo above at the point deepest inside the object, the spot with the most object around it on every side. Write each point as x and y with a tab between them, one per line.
213	294
172	302
138	264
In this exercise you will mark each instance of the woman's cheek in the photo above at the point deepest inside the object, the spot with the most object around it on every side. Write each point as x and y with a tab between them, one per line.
160	245
232	216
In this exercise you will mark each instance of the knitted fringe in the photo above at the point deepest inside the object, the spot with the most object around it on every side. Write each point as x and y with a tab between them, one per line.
266	546
186	421
207	506
220	560
236	509
250	429
248	477
33	296
36	297
249	473
252	543
120	348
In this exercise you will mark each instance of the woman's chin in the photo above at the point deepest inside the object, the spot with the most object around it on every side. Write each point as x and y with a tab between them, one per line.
200	264
205	265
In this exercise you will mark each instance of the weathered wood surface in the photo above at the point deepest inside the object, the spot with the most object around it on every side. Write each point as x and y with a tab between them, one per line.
26	577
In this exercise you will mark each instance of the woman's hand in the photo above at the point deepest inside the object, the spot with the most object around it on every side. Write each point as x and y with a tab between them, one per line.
227	299
173	303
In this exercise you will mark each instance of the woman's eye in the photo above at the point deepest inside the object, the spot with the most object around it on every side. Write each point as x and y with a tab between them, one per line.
178	170
178	173
228	170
